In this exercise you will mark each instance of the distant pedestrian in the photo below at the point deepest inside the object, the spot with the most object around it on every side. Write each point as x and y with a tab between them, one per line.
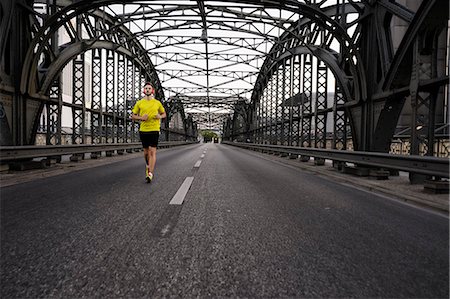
149	111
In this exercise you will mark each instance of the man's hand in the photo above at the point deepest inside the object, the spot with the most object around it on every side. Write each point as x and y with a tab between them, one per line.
144	117
158	116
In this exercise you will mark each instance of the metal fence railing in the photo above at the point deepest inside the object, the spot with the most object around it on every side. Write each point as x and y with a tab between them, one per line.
432	166
17	153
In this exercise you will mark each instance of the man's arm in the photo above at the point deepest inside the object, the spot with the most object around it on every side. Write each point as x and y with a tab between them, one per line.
161	115
137	117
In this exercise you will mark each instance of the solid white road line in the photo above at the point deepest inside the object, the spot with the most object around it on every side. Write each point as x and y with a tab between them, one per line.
197	165
178	198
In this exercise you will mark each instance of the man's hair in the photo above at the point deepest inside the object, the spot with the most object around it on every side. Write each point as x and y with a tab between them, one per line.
148	83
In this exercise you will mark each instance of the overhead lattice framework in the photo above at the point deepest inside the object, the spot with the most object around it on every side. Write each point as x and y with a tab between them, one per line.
275	61
208	54
376	98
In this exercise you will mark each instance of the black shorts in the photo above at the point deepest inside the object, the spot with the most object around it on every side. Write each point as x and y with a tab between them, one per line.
149	138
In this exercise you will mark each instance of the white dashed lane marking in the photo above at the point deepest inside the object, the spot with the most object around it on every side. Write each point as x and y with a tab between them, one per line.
197	165
178	198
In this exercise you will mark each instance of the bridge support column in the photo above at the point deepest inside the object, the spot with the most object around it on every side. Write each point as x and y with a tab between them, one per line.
338	165
96	155
304	158
319	161
76	157
436	186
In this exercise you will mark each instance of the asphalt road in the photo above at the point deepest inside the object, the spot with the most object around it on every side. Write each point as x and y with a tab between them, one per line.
248	227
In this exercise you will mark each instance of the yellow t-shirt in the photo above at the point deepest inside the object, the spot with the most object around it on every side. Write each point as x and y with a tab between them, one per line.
151	108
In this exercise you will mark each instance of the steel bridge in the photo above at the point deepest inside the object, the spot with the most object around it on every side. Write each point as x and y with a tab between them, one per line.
359	87
368	76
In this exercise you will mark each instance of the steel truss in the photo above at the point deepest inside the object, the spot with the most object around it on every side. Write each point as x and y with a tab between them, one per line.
104	115
365	118
293	73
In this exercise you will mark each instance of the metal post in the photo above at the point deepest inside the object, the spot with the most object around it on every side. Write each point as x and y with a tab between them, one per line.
306	103
121	92
97	113
130	100
320	114
110	98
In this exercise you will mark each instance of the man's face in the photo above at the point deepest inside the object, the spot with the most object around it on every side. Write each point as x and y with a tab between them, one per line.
148	90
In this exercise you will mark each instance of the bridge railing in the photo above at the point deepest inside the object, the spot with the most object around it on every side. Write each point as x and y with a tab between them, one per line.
432	166
17	153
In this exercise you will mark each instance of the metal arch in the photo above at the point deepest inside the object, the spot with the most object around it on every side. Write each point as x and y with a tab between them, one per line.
41	41
217	39
422	19
400	83
286	33
72	51
174	106
292	6
279	50
242	112
327	56
6	14
285	40
222	83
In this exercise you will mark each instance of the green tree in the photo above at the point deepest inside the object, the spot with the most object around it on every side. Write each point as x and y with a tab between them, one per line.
208	135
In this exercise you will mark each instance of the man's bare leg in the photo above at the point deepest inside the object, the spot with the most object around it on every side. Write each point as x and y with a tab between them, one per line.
146	155
152	158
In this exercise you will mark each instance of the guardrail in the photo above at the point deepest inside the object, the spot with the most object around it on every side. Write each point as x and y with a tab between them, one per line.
17	153
432	166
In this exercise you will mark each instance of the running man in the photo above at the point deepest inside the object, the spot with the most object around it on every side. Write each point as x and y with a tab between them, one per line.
149	111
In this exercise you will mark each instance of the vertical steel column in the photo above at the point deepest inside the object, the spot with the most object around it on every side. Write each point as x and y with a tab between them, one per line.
339	121
268	126
258	118
130	100
295	88
97	113
261	115
110	98
54	114
306	103
422	102
121	91
137	96
271	116
19	40
286	109
78	113
54	110
320	139
264	114
277	105
255	121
